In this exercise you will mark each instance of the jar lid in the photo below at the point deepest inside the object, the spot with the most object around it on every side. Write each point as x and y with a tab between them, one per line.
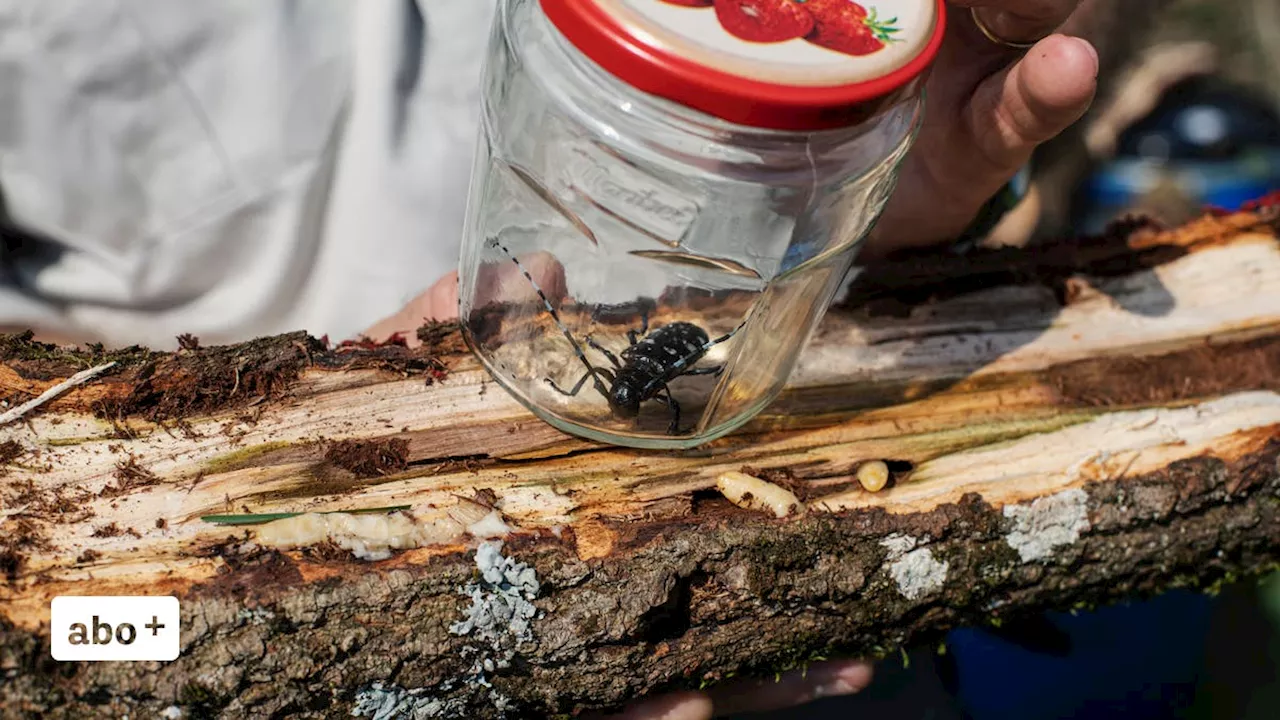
777	64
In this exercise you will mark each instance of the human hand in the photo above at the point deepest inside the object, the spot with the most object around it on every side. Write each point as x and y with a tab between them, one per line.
829	678
987	108
440	301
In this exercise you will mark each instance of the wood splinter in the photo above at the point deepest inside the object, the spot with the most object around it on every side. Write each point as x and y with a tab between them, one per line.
52	393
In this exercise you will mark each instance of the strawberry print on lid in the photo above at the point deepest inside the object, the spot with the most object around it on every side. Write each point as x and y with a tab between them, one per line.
791	58
764	20
848	27
841	25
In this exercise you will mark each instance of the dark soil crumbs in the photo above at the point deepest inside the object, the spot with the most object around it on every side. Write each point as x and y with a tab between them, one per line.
10	450
129	477
370	458
20	537
33	360
113	530
907	279
58	505
203	380
198	380
442	338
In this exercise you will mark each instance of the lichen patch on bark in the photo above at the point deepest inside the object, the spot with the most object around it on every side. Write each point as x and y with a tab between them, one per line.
915	569
1047	523
499	620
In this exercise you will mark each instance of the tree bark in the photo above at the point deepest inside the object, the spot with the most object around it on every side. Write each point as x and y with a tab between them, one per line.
1099	420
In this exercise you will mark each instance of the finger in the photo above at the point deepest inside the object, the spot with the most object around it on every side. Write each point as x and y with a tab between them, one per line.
543	269
495	283
963	164
1016	110
432	304
438	303
826	679
676	706
537	277
1021	21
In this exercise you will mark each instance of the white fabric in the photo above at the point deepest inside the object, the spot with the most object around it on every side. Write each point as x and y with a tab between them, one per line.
232	168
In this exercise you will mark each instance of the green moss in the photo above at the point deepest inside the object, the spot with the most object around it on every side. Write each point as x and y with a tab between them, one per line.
1084	605
798	656
200	701
1215	588
240	459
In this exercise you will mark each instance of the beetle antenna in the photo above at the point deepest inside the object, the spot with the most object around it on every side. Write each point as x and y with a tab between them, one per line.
577	349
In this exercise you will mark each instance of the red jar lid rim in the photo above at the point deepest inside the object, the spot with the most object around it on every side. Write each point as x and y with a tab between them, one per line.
697	54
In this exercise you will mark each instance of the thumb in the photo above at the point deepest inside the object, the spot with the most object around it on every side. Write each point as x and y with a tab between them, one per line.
1031	102
999	127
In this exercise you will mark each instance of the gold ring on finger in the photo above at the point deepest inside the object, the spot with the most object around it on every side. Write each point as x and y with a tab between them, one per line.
990	34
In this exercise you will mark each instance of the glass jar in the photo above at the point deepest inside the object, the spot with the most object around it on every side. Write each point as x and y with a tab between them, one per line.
667	193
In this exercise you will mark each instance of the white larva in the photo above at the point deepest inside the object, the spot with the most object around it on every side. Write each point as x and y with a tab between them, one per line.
752	493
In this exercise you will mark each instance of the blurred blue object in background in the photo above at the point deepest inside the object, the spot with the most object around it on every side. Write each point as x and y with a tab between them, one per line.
1207	143
1137	661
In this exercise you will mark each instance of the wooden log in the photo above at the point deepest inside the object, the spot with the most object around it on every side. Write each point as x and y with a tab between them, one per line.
1096	421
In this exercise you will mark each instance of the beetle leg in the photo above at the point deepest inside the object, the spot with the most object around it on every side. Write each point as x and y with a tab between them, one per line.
670	402
608	376
706	371
612	358
635	335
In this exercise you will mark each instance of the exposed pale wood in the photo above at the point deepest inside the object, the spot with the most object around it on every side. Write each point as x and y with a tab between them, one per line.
1127	417
74	381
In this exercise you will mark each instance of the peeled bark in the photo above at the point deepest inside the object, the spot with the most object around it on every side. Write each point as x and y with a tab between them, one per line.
1099	420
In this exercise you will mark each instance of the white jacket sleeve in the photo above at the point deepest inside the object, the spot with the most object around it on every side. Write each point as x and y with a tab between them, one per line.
231	169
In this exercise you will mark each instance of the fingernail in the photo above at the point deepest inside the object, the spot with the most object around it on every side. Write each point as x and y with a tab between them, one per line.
844	680
1093	53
